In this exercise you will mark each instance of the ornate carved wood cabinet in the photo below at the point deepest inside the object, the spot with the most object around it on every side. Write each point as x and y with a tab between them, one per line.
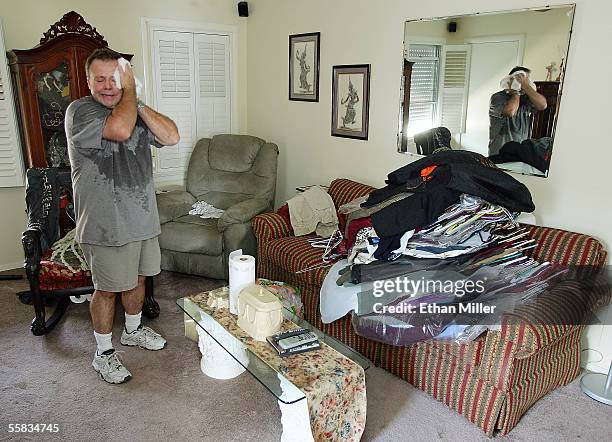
543	123
47	78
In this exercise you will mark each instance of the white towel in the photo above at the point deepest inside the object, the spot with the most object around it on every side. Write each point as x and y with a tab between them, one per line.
205	210
510	82
123	63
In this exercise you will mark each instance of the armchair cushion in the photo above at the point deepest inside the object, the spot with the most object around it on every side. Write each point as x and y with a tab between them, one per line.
55	276
234	153
242	212
174	204
192	234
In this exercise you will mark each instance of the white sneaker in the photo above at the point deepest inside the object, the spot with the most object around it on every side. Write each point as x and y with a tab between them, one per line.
110	367
143	337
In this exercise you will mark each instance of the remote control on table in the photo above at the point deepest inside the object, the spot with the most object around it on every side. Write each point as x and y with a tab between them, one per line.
294	341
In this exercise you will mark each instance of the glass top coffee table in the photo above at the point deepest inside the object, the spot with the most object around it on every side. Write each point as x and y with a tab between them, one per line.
202	322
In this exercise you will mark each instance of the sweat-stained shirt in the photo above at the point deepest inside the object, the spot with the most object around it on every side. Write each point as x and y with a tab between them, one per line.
502	128
114	194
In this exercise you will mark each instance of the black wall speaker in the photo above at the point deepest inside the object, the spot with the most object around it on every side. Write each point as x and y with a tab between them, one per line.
243	9
452	26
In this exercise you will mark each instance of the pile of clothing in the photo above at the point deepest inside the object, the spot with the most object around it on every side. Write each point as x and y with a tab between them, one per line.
446	220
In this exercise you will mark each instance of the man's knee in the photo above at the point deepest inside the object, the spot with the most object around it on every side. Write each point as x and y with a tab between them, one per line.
104	294
141	280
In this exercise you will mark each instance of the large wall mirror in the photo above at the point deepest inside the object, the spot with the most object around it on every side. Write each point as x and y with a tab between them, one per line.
489	83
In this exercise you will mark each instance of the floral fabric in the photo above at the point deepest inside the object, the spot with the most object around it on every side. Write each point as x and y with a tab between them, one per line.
288	295
334	385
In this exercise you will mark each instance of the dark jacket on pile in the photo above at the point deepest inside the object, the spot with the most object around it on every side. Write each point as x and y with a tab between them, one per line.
455	172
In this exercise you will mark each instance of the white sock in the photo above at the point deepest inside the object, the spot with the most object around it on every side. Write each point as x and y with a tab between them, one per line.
132	322
105	342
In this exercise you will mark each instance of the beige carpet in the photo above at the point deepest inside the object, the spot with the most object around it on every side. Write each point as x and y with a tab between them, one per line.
50	380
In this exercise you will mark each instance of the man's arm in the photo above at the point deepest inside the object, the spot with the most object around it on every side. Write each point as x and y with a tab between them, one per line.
120	123
538	100
163	128
512	104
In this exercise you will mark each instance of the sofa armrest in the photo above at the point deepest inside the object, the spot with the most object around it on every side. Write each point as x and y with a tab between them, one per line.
533	327
269	226
173	205
242	212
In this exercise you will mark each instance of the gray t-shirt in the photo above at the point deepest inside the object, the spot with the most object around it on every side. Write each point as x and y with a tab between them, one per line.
114	194
503	129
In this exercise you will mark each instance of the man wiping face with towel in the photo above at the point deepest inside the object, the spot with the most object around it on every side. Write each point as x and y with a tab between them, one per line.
510	110
110	134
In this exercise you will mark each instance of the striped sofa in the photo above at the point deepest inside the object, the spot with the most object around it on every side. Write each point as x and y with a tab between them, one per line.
493	380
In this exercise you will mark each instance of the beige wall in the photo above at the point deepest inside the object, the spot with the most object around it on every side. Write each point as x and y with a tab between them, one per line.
577	194
26	20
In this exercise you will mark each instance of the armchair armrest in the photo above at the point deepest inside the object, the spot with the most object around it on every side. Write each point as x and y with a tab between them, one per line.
243	212
269	226
174	204
32	250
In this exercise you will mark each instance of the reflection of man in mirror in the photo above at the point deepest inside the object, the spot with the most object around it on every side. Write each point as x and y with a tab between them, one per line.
304	69
350	100
510	110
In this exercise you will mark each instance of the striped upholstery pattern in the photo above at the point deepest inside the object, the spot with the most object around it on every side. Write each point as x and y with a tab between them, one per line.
297	254
343	191
468	354
268	226
458	386
566	248
493	380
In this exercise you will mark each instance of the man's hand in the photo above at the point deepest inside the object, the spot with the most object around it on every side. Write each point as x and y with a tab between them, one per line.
538	100
126	75
120	123
523	80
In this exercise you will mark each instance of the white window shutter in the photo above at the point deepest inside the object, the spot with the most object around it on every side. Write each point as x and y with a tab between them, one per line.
213	94
175	93
454	81
11	160
423	87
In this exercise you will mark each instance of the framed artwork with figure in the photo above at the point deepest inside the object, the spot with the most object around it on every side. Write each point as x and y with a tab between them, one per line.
350	101
304	66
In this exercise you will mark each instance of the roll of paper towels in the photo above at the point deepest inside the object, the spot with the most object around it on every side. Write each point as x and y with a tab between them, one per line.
241	274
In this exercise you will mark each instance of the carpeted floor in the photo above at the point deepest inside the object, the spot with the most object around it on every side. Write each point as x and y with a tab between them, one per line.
50	380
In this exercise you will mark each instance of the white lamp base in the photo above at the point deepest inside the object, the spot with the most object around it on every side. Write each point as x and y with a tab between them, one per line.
598	386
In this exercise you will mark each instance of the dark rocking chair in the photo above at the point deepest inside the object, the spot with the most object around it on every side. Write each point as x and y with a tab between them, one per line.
50	217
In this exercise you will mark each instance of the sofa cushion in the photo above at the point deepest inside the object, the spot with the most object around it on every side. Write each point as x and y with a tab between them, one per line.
295	253
192	234
233	153
173	205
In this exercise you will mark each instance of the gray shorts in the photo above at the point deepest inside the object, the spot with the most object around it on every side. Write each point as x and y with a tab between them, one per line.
116	268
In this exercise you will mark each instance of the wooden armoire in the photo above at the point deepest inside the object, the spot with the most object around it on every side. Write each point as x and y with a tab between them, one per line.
543	122
46	79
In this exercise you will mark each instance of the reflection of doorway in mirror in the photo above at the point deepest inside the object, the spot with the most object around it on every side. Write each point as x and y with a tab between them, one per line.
350	87
491	60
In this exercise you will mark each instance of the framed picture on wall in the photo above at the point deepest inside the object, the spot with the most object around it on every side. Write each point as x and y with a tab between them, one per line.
350	101
304	67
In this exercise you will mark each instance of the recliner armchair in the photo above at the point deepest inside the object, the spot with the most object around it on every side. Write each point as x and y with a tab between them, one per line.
236	173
